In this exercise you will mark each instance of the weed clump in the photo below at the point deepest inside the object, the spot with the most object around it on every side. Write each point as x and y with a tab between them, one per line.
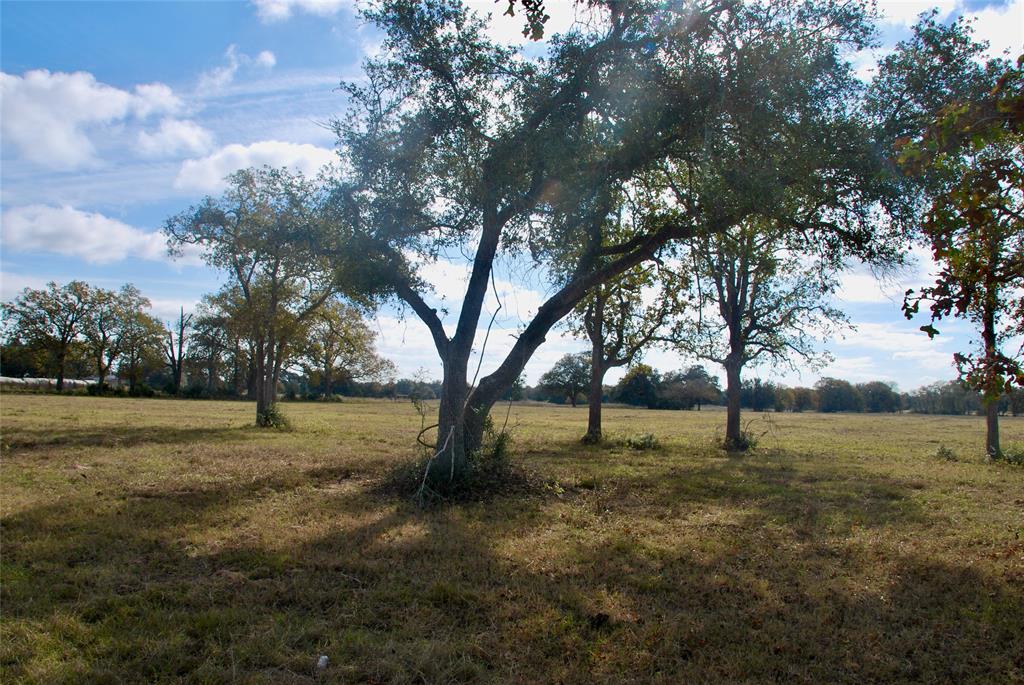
946	454
273	417
490	473
1013	457
643	441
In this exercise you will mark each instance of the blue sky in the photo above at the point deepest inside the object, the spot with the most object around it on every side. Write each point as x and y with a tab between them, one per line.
116	115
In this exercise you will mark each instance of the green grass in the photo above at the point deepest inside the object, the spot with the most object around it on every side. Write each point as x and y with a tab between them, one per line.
168	541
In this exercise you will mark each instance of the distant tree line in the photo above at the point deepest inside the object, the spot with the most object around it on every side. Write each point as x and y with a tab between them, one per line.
693	387
78	330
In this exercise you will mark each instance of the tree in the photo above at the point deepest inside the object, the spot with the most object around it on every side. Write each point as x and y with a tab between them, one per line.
141	340
759	395
176	355
803	399
879	397
210	344
107	319
975	228
693	387
275	234
835	395
339	343
621	318
568	377
51	319
100	329
453	144
756	299
639	387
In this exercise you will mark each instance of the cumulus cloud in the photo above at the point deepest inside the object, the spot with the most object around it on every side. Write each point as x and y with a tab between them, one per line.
173	137
89	236
207	174
1002	25
218	78
906	12
50	116
277	10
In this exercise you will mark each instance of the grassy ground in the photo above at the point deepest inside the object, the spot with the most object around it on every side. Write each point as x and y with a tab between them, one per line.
167	541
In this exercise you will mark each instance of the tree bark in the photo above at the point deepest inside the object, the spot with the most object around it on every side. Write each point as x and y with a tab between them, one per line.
992	429
594	399
452	449
991	397
61	361
733	432
328	380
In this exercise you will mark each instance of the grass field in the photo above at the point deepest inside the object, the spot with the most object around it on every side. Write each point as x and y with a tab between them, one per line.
168	541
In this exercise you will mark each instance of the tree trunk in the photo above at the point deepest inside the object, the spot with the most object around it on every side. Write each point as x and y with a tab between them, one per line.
594	399
264	399
328	381
100	373
450	463
733	432
992	392
992	429
61	357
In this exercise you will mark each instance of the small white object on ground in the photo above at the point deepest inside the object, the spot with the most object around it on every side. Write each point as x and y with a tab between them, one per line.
321	663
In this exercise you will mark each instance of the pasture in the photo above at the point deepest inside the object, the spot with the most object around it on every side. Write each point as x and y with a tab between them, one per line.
170	541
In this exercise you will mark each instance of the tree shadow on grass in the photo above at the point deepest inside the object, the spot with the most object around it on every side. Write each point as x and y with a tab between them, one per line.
24	440
391	593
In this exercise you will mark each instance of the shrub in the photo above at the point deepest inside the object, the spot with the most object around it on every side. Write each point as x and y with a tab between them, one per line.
643	441
273	417
945	453
141	390
1013	456
746	441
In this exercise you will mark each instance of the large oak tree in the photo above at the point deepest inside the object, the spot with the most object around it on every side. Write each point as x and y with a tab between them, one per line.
455	144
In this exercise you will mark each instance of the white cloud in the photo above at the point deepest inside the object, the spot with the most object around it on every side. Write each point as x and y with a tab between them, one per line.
207	174
277	10
218	78
900	345
169	309
175	136
89	236
866	288
1002	27
11	284
906	12
266	59
49	117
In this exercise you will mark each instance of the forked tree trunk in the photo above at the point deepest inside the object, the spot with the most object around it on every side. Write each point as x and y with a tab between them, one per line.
733	431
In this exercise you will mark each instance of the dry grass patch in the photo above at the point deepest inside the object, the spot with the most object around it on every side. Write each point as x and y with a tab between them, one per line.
167	541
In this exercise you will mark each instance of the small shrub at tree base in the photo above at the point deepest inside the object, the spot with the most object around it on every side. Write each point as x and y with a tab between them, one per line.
490	473
746	441
273	417
1013	456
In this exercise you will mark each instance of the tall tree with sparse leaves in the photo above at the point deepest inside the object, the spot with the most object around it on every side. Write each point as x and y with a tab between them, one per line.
275	234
